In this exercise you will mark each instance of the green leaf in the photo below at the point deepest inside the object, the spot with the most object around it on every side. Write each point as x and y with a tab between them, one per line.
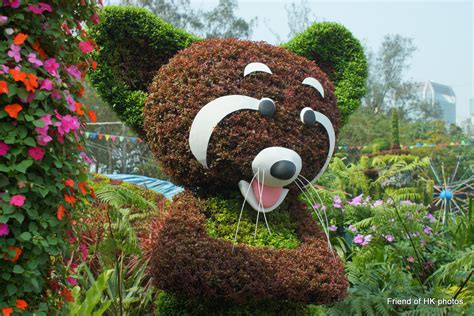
29	141
11	289
18	269
25	236
24	165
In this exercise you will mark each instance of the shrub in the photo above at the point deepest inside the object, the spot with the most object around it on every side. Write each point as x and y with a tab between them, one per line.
186	261
134	45
43	178
341	56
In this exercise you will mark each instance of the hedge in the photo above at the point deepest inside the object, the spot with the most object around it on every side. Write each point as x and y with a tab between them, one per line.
134	45
336	51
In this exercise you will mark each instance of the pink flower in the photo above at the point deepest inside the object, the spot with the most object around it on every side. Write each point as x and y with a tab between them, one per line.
84	252
367	239
358	239
4	69
3	20
333	228
71	280
11	3
356	201
389	238
411	259
14	52
316	206
406	202
86	158
40	8
337	202
43	139
378	203
36	153
4	148
67	123
428	230
4	229
71	102
352	228
51	66
95	18
46	84
86	47
73	71
17	200
34	60
56	94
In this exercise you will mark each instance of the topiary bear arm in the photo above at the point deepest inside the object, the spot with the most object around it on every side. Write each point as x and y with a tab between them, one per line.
338	53
134	44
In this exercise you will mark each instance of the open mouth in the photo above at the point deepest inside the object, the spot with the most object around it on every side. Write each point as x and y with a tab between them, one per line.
261	197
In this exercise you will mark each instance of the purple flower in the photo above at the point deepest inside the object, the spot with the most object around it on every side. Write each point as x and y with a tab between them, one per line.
14	52
337	202
431	218
333	228
73	71
3	20
352	228
4	229
367	239
378	203
316	206
34	60
323	208
406	202
358	239
356	201
4	69
389	238
428	230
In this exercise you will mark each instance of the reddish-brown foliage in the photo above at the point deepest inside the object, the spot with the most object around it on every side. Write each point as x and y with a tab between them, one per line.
213	68
186	261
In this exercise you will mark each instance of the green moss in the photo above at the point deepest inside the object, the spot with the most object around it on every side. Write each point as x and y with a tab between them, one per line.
336	51
223	215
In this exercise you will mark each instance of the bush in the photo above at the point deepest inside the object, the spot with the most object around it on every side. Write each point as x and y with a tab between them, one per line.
134	45
43	180
341	56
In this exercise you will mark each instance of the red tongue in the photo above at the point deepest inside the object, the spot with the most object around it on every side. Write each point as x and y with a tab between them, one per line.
270	195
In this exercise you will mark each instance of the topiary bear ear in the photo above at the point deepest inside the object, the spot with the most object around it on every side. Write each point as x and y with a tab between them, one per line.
338	53
134	44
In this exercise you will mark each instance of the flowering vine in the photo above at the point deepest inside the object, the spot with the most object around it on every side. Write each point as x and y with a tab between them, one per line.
43	175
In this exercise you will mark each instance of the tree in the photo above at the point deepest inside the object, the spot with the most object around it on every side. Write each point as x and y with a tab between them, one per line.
385	85
218	22
395	130
299	17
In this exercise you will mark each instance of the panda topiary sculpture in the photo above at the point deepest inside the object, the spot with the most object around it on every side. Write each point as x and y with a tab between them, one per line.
234	122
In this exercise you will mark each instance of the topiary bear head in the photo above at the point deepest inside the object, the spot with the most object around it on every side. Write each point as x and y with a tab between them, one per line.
228	114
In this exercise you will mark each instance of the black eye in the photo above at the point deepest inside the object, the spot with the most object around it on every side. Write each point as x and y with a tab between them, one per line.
266	107
308	117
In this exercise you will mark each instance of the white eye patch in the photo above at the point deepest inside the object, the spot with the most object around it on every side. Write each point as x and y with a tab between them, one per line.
256	67
310	117
208	118
310	81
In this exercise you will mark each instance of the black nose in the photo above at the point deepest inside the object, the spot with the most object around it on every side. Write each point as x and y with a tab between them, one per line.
283	170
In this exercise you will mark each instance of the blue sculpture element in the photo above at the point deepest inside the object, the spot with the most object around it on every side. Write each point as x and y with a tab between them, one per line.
166	188
446	195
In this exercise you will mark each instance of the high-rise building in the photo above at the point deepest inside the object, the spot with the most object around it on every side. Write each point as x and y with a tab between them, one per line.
468	124
441	97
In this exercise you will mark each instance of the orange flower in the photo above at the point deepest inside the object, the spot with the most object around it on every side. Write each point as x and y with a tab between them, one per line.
81	91
78	107
13	110
21	304
66	293
82	187
17	75
31	83
94	65
7	311
20	38
69	183
60	212
17	255
92	116
3	87
69	199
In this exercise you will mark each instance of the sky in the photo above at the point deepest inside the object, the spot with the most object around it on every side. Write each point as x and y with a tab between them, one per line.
442	31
